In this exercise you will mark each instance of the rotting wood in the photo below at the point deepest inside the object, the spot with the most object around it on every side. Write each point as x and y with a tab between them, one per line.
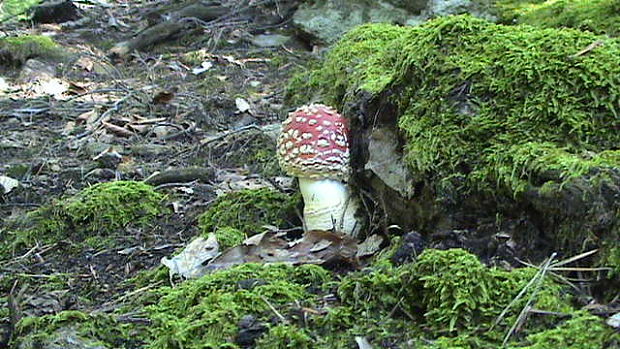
182	175
170	28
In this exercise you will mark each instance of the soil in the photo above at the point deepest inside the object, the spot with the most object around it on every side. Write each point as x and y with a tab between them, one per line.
153	111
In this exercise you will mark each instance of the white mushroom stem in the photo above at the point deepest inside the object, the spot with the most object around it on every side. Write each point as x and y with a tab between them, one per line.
328	205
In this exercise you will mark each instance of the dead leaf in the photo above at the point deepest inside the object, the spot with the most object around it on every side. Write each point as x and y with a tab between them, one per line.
242	105
8	184
370	246
190	262
76	88
315	247
85	63
117	130
204	66
164	97
87	118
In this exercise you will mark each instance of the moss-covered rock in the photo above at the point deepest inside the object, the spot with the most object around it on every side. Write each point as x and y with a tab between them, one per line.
511	121
16	50
248	211
96	212
597	16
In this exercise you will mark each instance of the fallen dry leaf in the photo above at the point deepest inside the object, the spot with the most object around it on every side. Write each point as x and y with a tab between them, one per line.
315	247
85	63
117	130
8	184
87	117
243	105
164	97
189	263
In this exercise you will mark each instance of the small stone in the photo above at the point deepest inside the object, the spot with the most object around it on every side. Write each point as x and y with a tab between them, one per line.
270	40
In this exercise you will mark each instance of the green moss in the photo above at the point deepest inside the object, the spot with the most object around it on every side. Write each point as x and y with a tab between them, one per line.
229	237
350	65
582	331
460	293
597	16
285	336
19	49
105	330
447	299
449	293
100	210
204	313
611	257
248	211
16	9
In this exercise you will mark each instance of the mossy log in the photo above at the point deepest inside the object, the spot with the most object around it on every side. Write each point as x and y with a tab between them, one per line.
502	129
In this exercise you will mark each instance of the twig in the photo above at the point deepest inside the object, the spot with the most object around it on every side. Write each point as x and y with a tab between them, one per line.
282	318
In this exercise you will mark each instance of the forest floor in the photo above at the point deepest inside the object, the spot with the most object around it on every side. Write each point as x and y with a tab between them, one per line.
195	115
197	101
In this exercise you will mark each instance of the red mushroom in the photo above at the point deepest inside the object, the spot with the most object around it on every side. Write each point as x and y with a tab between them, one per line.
314	147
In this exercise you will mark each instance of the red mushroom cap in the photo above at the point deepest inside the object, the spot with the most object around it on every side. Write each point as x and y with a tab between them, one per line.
314	143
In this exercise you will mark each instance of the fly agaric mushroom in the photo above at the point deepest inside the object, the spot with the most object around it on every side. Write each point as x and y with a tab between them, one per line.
314	147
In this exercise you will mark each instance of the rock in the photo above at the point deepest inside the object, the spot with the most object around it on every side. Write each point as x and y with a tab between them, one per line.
36	71
413	6
58	11
250	329
437	8
410	248
270	40
325	21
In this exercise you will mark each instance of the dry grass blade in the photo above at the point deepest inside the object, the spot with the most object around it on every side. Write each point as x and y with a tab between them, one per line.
574	258
580	269
536	279
539	278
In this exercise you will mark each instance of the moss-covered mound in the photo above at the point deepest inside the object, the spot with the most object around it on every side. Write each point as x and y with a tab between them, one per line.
16	50
597	16
16	9
206	313
95	212
447	299
247	211
494	118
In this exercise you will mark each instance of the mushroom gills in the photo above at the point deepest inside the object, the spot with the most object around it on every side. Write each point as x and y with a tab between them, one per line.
328	205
